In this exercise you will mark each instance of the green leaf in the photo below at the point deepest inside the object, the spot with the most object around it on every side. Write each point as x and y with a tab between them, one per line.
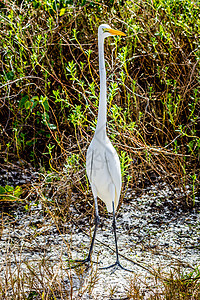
17	191
9	188
34	101
2	190
52	126
46	105
26	207
28	104
10	75
35	98
62	12
23	101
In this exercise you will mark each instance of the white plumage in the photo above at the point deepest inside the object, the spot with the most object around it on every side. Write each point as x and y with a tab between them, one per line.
103	171
102	161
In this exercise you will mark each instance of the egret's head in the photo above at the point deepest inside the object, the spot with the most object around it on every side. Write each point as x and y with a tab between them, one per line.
105	31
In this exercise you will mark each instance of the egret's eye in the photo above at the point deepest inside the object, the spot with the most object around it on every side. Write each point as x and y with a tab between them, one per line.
105	30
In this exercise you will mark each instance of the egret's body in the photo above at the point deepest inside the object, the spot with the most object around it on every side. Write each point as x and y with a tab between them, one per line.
102	161
103	171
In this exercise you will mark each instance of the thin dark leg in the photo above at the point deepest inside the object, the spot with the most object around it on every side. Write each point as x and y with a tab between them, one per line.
97	221
115	234
117	263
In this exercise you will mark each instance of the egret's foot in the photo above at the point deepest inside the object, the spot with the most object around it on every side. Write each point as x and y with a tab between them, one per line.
80	262
87	261
115	266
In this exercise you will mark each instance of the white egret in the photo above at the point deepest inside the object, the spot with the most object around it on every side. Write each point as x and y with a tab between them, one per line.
102	161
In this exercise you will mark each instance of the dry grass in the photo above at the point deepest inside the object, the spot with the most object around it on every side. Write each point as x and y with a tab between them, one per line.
50	86
34	267
49	98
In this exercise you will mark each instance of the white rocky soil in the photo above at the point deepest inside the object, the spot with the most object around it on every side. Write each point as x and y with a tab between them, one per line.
152	239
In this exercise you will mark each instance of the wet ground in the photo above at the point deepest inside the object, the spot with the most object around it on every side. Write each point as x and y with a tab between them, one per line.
153	239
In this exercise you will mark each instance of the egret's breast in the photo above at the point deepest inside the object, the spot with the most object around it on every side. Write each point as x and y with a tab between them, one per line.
98	171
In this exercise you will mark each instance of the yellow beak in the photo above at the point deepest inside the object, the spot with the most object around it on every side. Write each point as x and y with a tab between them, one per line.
116	32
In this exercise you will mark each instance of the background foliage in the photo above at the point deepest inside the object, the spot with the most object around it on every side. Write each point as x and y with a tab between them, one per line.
49	86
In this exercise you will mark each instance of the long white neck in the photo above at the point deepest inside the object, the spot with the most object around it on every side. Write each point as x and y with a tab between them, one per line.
102	110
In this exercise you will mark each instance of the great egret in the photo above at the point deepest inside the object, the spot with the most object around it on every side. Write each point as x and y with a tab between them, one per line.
102	161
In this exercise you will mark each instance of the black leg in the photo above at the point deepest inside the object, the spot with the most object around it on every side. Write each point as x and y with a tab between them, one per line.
117	263
97	221
115	234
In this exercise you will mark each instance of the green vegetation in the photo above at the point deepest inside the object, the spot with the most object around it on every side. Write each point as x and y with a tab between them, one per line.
49	88
9	193
50	85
